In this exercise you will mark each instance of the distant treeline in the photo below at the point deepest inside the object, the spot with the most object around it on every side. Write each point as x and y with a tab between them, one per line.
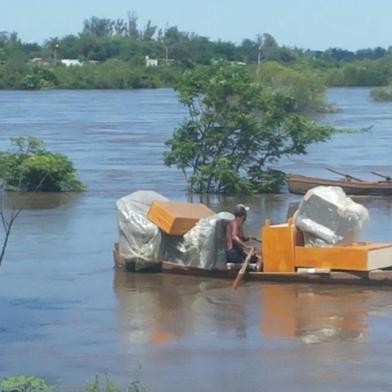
114	56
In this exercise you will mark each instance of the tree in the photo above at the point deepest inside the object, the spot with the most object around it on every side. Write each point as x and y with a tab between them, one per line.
120	27
30	167
133	31
149	31
305	86
100	27
235	130
7	222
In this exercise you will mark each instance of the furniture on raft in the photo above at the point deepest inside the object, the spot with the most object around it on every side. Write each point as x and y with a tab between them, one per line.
286	259
177	218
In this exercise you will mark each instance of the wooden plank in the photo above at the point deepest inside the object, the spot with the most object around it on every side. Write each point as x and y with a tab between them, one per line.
372	278
242	271
173	268
381	278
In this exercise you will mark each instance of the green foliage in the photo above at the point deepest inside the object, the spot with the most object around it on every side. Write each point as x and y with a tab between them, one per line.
36	384
304	85
24	384
234	130
106	40
382	94
360	73
30	167
39	78
109	386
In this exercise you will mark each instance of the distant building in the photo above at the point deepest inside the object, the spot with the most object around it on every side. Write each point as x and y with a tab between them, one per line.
39	61
237	62
71	62
151	62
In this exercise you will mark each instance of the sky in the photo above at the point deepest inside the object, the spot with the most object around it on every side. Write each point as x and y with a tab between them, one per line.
313	24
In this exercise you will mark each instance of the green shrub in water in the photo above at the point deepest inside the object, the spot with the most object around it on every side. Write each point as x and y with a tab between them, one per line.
36	384
30	167
24	384
382	94
109	386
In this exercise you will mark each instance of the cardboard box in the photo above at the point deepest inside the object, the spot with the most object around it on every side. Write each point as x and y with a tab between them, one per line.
177	218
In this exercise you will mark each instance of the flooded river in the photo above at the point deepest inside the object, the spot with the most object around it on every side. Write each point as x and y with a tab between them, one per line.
65	314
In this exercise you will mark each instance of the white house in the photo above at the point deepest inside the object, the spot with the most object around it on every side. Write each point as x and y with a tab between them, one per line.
39	61
71	62
151	62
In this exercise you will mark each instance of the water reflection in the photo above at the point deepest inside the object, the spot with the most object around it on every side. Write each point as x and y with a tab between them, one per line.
158	308
314	315
39	200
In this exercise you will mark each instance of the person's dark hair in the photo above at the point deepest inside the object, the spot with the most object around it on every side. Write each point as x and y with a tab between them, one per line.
240	211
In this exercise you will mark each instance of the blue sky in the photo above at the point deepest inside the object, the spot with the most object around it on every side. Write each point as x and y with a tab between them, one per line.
315	24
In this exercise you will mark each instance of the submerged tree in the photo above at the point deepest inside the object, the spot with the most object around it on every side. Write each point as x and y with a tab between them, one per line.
235	130
30	167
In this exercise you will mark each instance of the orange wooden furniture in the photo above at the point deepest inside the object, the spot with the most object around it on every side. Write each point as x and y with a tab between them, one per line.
283	251
278	248
356	257
177	218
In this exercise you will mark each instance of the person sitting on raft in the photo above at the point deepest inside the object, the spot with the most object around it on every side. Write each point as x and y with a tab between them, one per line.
236	249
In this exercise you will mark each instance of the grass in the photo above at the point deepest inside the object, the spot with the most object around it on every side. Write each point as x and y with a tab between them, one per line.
35	384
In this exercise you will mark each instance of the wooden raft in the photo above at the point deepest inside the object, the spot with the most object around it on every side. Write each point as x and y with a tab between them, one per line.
371	278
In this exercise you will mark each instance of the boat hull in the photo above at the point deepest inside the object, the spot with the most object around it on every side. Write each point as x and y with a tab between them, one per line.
371	278
301	184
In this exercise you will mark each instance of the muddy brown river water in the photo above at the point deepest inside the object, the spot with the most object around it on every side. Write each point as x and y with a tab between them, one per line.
66	315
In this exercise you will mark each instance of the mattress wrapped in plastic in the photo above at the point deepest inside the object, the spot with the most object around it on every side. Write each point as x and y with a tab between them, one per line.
139	239
327	217
204	246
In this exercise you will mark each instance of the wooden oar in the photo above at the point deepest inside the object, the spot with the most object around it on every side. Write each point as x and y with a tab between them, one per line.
387	178
242	271
348	176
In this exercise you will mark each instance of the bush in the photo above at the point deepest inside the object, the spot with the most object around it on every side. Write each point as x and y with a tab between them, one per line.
381	94
24	384
36	384
32	168
304	85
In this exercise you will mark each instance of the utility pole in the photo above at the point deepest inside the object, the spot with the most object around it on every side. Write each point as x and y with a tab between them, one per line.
258	64
56	46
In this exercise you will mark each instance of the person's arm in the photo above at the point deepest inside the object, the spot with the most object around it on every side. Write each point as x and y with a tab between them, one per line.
238	238
241	235
245	238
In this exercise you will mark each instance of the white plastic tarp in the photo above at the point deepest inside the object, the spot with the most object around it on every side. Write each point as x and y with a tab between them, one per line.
327	217
139	239
204	246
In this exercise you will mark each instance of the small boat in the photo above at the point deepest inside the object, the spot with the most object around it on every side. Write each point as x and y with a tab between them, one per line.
286	258
351	185
310	275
